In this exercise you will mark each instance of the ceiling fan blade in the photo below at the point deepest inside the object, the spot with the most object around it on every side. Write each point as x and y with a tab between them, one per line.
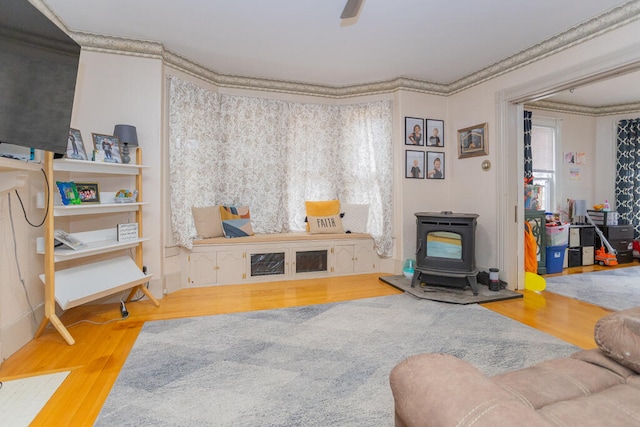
351	9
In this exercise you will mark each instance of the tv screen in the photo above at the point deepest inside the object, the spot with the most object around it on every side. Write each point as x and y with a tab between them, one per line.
38	71
444	244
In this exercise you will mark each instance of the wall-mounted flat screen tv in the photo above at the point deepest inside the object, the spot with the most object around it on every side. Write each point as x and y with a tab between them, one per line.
38	71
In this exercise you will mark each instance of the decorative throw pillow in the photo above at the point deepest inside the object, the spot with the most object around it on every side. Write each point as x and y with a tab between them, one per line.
207	221
325	224
236	221
355	218
321	208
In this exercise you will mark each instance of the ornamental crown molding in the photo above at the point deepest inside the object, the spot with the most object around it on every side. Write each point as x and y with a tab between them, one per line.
608	21
606	110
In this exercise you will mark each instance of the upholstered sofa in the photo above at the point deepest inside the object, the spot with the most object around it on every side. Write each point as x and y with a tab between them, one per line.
598	387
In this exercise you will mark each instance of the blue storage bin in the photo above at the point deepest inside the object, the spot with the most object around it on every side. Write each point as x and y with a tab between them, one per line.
555	258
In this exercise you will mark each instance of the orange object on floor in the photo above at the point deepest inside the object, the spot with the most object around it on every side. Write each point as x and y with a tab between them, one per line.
603	257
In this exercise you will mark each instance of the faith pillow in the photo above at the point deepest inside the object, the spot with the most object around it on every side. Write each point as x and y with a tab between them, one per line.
325	224
207	221
321	208
236	221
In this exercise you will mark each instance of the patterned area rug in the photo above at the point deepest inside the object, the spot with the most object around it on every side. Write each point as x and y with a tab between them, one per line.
316	365
615	289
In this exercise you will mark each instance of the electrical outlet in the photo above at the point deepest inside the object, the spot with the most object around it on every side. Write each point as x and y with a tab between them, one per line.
123	310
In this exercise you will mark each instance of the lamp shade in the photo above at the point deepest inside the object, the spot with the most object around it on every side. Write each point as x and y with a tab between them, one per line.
126	134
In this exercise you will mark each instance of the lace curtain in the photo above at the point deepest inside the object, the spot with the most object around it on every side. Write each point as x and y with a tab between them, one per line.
272	155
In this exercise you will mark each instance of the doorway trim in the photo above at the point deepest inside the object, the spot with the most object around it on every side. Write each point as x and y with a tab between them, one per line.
509	112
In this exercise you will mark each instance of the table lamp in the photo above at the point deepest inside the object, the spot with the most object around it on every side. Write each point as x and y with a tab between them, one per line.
127	135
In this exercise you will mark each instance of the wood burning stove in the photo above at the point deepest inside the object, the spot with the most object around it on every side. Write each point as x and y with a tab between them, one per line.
445	254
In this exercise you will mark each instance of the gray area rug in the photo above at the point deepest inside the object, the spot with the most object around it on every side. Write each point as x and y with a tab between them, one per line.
615	289
450	294
319	365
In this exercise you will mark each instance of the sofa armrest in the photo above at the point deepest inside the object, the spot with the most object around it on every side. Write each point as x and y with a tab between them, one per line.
442	390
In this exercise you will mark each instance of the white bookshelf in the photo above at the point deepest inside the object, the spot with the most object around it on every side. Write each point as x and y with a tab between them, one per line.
85	280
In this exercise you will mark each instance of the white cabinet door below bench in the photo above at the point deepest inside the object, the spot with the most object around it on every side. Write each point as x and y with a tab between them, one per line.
353	259
211	268
202	269
231	267
363	262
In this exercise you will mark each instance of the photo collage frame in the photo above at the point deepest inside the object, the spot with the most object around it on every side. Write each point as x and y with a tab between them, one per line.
421	136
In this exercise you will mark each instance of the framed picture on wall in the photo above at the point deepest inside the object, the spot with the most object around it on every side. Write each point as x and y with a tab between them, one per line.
435	133
473	141
414	161
107	148
435	165
413	131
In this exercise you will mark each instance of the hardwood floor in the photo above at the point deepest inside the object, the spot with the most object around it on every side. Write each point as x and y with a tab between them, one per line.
101	349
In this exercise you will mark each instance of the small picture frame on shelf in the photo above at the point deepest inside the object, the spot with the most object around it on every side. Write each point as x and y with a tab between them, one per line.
68	193
435	133
413	131
414	161
435	165
89	192
107	147
75	146
127	232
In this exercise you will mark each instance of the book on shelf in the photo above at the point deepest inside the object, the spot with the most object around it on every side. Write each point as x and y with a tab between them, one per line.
62	238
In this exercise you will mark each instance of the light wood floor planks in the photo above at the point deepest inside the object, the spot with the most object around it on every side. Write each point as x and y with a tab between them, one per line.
100	350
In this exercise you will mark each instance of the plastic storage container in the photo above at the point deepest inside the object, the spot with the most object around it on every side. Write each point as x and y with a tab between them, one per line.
555	258
558	236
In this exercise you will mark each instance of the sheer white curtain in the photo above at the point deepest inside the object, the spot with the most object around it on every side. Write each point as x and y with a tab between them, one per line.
273	155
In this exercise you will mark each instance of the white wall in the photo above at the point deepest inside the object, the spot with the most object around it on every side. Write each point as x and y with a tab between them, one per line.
474	190
418	195
117	89
17	325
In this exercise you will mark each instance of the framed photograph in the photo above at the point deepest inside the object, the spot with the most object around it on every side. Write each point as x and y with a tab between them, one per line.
88	192
108	148
435	133
435	165
414	164
473	141
75	146
413	131
68	193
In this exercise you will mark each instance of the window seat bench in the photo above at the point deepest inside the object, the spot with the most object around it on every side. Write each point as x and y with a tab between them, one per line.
279	237
278	256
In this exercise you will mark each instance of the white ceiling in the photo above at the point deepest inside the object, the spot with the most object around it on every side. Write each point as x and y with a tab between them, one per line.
439	41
